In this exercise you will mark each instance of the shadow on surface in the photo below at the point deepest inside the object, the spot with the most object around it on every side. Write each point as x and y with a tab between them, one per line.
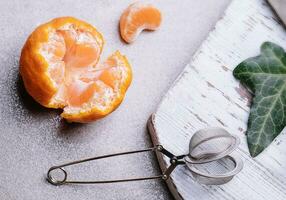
27	101
69	129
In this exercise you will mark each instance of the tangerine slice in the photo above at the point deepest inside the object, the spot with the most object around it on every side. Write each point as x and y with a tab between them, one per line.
136	18
59	67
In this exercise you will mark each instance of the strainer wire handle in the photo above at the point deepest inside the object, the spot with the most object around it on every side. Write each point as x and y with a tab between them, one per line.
159	148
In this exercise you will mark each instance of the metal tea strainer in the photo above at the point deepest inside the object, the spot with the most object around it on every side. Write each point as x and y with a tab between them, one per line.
206	146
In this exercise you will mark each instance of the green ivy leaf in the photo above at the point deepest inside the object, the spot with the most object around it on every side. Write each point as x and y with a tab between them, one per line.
265	76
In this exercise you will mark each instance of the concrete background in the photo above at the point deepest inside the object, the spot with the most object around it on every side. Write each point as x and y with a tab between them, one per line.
33	138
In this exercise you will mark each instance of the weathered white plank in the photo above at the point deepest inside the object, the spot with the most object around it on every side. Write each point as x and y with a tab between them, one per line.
206	94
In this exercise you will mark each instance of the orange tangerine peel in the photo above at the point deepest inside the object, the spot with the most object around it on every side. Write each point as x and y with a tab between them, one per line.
136	18
59	67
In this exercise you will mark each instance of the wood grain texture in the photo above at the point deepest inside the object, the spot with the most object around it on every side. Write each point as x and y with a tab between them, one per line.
206	94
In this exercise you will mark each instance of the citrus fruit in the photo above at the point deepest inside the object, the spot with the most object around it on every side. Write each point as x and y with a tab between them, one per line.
59	67
136	18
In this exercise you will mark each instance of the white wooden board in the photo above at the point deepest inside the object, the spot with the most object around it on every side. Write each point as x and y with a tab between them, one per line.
206	94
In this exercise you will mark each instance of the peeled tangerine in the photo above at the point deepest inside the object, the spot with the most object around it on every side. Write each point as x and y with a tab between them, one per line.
59	67
136	18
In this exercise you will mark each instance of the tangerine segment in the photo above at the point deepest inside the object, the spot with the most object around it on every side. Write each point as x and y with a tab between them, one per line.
101	90
136	18
59	67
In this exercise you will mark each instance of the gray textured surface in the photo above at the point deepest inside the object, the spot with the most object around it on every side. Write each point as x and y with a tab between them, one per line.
279	6
33	138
